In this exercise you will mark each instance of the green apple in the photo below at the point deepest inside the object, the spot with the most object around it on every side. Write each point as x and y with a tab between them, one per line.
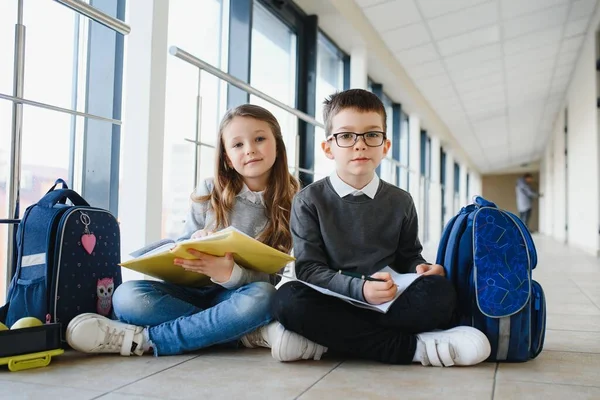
26	322
3	327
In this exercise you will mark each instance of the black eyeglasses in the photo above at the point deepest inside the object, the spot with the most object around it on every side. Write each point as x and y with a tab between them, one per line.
348	139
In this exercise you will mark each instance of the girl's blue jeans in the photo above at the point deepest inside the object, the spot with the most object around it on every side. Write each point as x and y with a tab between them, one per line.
182	319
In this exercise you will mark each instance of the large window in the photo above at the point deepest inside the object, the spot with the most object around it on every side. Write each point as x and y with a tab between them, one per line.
388	167
443	185
51	81
5	129
73	63
273	71
404	151
468	191
456	187
425	181
195	101
330	79
8	19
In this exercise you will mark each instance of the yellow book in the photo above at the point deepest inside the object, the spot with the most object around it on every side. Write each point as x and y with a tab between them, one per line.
156	260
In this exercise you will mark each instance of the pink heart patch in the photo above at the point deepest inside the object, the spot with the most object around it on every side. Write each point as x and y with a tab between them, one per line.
89	242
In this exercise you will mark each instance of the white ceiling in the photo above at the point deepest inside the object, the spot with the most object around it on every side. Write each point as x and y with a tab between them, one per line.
495	71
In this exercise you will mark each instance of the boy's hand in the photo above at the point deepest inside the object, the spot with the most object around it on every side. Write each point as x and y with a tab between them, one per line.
379	292
218	268
435	269
200	233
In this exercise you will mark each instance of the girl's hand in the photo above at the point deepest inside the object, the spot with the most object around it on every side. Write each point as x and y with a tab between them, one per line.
217	268
201	233
380	292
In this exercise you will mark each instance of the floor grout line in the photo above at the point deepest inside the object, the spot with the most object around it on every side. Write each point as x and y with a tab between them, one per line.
586	295
551	383
318	380
570	351
494	384
147	376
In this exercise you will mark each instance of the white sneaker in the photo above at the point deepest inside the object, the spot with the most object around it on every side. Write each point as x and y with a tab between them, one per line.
462	345
93	333
285	345
257	338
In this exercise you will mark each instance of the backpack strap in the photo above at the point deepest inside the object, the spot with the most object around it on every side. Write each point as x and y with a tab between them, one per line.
481	202
60	196
59	180
444	241
451	253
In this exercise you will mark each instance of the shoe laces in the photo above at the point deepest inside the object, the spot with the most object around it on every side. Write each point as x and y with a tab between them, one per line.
113	339
256	338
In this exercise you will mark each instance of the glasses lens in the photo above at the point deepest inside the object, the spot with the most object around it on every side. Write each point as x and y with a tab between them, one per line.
345	139
373	139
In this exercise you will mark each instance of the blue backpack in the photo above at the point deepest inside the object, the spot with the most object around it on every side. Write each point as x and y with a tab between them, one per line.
67	260
489	256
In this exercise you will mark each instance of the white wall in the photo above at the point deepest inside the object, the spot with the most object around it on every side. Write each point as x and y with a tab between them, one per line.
558	193
582	210
140	195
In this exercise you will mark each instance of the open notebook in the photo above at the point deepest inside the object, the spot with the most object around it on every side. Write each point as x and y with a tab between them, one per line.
403	281
156	259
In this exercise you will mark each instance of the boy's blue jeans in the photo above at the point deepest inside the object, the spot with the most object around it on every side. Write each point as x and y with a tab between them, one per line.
182	319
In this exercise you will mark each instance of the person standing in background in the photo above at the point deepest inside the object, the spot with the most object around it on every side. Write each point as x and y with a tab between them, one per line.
525	195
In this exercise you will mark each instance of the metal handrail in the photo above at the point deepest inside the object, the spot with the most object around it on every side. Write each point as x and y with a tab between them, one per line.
94	14
211	69
19	100
187	57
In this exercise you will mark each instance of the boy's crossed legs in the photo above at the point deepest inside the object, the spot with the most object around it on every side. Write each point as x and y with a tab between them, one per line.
395	337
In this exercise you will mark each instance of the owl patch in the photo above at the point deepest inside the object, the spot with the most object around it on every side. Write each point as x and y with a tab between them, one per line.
104	291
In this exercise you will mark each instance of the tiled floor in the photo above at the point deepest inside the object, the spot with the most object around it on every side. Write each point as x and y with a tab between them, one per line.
569	366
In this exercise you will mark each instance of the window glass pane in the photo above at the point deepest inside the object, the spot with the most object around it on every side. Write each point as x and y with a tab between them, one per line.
5	139
404	135
8	19
49	74
387	170
5	132
330	79
194	26
45	152
387	102
273	71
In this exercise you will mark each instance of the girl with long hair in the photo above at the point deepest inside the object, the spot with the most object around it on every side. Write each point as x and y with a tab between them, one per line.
252	191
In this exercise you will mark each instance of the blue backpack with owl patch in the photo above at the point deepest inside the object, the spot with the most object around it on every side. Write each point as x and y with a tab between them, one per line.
67	260
489	256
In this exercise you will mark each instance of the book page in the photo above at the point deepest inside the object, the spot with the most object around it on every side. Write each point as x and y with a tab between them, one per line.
403	281
247	252
153	248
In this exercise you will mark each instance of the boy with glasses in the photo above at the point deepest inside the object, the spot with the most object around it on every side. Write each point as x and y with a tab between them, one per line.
355	223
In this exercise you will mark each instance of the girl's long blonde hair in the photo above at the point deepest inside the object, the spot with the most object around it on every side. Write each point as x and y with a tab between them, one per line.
278	195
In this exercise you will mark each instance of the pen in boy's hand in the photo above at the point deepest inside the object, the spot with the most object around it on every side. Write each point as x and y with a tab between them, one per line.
360	276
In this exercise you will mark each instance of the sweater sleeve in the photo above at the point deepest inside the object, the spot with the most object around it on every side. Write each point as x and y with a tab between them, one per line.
311	254
408	253
241	276
196	217
527	190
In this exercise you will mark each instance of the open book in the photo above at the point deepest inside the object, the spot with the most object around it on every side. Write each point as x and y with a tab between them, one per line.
403	281
156	259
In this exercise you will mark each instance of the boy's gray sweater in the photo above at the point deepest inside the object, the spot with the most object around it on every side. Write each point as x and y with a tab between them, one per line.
354	233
